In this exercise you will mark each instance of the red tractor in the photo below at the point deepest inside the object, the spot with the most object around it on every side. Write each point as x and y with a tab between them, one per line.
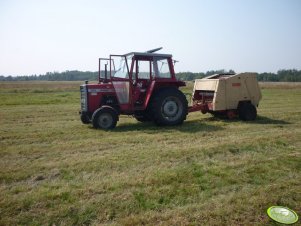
141	84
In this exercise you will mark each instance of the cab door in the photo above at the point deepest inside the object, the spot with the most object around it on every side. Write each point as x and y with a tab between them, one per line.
122	81
142	74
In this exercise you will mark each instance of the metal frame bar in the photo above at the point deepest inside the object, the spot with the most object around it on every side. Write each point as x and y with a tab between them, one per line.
99	68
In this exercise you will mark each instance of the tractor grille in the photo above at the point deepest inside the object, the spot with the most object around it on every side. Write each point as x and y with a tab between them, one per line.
83	98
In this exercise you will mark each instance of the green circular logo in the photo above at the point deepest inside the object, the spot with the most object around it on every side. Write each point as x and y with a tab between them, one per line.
282	214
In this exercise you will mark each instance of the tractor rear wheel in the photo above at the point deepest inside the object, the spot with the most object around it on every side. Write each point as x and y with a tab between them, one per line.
169	107
247	112
105	118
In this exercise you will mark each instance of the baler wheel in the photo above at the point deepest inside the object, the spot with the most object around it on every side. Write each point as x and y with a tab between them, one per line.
104	118
247	112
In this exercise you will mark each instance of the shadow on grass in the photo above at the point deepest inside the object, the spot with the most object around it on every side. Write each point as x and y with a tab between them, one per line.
266	120
149	127
193	126
259	120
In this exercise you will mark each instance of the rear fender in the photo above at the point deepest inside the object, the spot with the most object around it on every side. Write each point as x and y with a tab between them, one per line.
156	86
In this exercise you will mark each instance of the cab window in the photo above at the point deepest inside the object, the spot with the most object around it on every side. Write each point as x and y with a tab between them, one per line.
161	68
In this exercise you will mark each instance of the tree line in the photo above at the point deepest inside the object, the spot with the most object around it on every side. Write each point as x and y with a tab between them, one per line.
291	75
55	76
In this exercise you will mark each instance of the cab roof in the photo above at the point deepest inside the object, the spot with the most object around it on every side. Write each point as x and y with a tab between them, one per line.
149	54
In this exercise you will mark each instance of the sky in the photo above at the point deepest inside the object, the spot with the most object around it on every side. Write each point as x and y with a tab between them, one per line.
39	36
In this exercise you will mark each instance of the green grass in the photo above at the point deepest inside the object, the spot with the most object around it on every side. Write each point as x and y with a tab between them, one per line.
55	170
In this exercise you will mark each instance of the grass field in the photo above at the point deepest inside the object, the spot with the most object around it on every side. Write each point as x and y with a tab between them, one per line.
57	171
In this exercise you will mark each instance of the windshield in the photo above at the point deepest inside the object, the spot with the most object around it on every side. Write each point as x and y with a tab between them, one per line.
120	67
161	68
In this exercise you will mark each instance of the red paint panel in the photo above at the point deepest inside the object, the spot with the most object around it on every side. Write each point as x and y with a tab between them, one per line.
236	84
95	93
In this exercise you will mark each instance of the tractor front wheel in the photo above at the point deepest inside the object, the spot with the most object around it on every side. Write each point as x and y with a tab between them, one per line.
84	118
247	111
169	107
105	118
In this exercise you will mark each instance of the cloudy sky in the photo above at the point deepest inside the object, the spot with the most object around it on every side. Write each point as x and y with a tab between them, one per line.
57	35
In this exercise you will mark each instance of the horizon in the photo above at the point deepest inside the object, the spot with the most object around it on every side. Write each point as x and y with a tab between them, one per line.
183	72
37	37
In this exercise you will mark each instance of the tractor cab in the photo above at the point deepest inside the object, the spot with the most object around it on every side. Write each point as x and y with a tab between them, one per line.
134	75
128	83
